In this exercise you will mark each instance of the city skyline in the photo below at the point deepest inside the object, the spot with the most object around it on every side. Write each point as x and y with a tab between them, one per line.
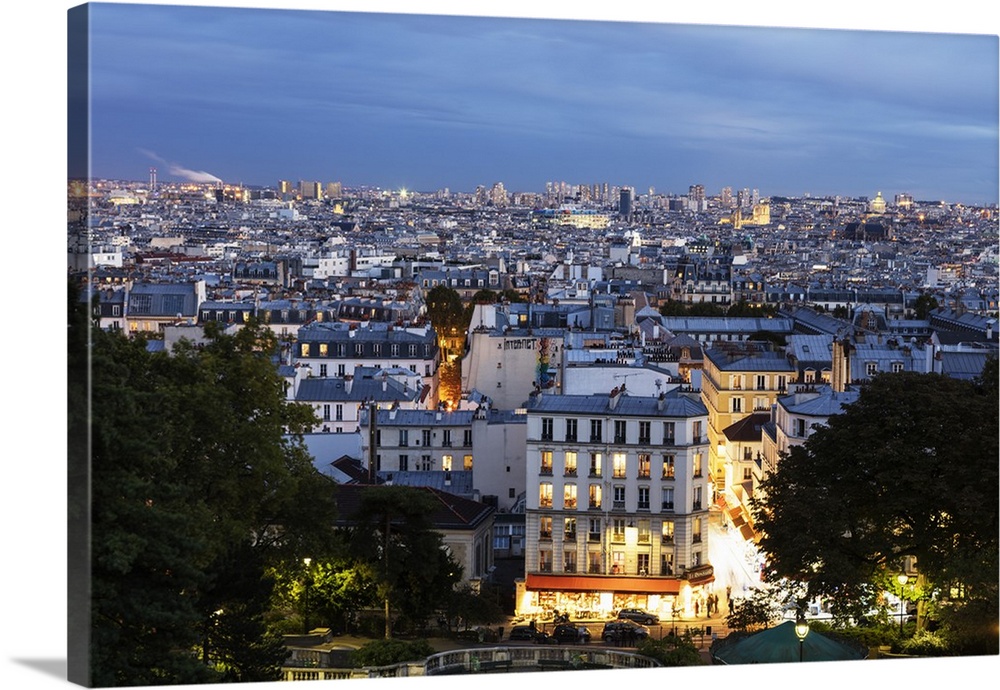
428	102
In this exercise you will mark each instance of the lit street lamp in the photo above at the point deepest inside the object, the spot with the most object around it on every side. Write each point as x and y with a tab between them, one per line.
801	630
306	583
902	579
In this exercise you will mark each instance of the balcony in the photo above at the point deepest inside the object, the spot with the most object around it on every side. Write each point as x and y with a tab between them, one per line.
594	536
618	505
569	536
696	505
643	474
546	471
643	505
595	438
644	440
696	539
545	534
619	439
546	436
667	539
570	438
545	503
594	505
569	568
569	504
667	505
569	472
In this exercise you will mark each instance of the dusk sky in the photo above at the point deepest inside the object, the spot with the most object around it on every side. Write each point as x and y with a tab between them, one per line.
427	102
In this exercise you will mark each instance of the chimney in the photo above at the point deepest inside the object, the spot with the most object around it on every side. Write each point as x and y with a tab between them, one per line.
661	402
348	383
385	382
613	398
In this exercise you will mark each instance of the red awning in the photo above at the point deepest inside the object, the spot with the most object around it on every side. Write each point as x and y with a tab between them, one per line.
600	583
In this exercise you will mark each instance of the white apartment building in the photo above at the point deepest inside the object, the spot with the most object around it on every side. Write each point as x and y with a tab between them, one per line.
617	503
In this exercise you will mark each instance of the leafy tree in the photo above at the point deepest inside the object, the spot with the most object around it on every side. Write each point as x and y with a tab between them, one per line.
706	309
841	312
393	532
673	308
923	305
386	652
758	611
485	296
908	470
475	608
445	309
672	650
196	490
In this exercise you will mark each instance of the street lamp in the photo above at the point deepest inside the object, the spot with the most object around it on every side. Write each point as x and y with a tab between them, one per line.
801	630
305	587
902	579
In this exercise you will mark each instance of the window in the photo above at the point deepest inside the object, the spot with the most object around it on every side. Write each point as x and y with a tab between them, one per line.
897	367
696	432
696	465
619	496
569	464
404	463
569	497
544	561
595	495
871	368
595	464
446	463
446	438
668	433
359	349
338	410
668	467
467	438
747	473
618	529
643	527
467	463
760	382
618	465
781	382
545	495
668	498
809	376
305	349
341	370
594	529
696	499
736	404
736	382
546	467
569	561
696	559
594	562
696	530
546	428
667	532
644	437
645	461
642	562
595	430
404	437
426	463
619	431
326	413
643	498
571	430
425	437
667	563
545	527
569	531
799	427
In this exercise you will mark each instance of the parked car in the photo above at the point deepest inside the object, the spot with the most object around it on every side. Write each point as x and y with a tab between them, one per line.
570	634
622	631
525	633
639	616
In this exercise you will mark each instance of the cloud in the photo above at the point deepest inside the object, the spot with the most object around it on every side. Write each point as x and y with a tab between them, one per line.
179	171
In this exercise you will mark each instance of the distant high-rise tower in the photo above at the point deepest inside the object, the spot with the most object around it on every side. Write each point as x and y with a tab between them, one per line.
152	179
625	196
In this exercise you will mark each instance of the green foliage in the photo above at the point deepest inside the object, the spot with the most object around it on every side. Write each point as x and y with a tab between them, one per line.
445	309
672	650
908	470
386	652
196	492
925	643
393	533
756	612
924	305
475	608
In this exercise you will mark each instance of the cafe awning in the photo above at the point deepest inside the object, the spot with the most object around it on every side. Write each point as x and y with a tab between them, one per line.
601	583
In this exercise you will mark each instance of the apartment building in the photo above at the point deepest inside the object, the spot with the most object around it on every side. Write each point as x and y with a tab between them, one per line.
617	503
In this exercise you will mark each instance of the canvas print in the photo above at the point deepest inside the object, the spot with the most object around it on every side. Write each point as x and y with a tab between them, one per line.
412	345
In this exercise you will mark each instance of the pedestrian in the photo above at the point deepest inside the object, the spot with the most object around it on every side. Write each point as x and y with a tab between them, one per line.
696	608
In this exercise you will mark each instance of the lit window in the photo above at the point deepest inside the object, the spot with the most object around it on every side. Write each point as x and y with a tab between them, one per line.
618	465
545	495
569	464
569	497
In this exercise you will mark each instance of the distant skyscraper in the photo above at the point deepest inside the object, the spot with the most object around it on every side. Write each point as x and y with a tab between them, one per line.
285	186
625	198
152	179
726	197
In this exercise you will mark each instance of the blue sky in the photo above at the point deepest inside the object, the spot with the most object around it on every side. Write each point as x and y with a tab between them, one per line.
425	102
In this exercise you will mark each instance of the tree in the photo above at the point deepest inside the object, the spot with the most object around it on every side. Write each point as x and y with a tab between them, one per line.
392	531
672	650
909	469
200	481
923	305
445	309
756	612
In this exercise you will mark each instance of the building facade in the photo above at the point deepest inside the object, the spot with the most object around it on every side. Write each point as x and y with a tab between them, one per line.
617	503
